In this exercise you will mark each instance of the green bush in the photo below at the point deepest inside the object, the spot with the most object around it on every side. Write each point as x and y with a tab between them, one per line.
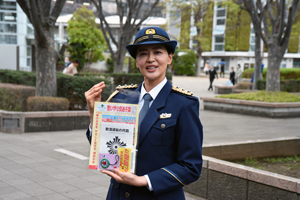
74	87
18	77
285	85
47	104
185	64
13	97
285	73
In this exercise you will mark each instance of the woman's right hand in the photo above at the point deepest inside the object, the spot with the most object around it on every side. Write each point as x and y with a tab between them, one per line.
92	95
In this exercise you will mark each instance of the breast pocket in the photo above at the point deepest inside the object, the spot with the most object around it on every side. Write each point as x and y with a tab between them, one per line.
163	132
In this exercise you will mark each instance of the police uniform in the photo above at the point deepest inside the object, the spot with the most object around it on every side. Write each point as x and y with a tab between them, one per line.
170	145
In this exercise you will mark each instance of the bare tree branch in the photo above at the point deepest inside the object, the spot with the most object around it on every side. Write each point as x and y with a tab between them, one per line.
46	7
55	12
291	17
41	13
270	11
281	11
25	5
36	23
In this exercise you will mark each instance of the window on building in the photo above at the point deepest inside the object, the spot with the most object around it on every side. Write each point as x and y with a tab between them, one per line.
219	42
8	39
8	28
221	13
8	17
220	21
296	63
8	5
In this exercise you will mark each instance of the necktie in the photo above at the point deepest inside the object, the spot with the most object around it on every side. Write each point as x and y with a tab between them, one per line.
147	98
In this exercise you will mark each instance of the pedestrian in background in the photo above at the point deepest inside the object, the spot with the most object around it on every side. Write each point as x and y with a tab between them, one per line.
212	74
232	76
206	68
222	71
72	68
239	73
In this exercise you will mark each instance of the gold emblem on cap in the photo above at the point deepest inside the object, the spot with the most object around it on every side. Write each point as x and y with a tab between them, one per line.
150	31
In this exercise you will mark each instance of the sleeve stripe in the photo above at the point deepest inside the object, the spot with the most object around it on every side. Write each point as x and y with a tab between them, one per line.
176	177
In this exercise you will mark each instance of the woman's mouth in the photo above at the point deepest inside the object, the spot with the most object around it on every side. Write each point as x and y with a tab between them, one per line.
151	68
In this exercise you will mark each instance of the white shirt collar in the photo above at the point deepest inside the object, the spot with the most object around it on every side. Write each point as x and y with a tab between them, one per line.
154	92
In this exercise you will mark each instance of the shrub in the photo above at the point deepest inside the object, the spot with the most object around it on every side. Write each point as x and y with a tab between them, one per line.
285	73
285	85
47	104
18	77
13	97
74	87
185	64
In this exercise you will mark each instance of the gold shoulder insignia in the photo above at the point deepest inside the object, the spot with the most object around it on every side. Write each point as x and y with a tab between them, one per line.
127	86
112	95
183	91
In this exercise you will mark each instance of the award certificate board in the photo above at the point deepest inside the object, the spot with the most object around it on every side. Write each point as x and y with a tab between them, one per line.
114	136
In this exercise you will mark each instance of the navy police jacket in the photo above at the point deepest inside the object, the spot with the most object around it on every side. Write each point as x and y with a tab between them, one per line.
170	149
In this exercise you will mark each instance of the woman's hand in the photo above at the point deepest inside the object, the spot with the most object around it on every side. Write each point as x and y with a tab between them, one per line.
126	178
92	95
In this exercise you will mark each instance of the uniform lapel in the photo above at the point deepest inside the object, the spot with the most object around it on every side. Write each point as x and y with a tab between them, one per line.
153	114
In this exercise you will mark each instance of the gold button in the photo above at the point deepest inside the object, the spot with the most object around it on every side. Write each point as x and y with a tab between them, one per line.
163	126
127	194
112	185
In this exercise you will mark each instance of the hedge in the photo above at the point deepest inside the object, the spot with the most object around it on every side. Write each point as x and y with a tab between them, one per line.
285	73
285	85
47	104
13	97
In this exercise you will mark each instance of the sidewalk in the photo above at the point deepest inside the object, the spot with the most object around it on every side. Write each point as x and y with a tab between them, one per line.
31	168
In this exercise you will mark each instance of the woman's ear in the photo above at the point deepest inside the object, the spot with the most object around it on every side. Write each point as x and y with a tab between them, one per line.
170	58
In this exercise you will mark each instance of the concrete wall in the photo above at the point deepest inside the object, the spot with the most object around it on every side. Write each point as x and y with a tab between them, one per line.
8	56
225	180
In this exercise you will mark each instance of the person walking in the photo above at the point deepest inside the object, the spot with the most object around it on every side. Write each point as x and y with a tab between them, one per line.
169	148
222	70
232	76
239	73
212	74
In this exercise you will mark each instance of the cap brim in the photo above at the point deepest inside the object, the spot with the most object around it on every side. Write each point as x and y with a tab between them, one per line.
131	48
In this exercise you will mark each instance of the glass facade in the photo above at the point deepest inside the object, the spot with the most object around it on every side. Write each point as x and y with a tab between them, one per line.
8	22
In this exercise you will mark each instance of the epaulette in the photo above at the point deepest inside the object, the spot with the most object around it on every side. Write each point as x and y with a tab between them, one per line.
121	87
183	91
127	86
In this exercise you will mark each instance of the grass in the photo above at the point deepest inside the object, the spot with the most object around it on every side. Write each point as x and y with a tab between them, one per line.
289	166
272	97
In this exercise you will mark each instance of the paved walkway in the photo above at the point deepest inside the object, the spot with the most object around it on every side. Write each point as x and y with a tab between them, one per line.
32	168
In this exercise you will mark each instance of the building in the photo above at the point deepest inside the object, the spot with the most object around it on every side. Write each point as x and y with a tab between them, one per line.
231	39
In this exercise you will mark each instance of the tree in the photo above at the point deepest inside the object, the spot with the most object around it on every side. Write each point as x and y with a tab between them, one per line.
276	31
199	9
130	23
43	20
86	41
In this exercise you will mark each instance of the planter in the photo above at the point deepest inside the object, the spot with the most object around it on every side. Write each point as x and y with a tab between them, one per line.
256	108
22	122
235	181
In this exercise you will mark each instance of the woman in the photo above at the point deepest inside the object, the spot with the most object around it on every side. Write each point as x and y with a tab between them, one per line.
170	146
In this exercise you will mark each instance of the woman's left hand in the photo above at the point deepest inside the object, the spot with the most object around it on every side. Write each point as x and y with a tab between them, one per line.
126	178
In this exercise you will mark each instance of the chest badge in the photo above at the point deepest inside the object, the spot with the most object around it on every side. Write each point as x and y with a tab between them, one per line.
165	115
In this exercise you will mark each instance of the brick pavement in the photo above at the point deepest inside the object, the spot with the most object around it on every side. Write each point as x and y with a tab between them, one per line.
30	168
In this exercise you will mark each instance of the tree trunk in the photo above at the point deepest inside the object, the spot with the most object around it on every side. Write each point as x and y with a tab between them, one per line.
119	59
273	73
46	65
198	67
257	68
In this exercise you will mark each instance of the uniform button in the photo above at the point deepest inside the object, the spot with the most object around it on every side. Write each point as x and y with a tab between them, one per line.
163	126
112	185
127	194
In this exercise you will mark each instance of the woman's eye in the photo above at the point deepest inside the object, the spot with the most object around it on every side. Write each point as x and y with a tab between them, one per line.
158	52
142	54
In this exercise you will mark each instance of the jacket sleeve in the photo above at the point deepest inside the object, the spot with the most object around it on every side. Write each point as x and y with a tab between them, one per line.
189	137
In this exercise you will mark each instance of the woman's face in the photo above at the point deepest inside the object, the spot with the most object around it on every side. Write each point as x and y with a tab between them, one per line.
152	60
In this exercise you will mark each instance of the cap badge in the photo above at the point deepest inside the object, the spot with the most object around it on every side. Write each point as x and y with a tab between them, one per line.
150	31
